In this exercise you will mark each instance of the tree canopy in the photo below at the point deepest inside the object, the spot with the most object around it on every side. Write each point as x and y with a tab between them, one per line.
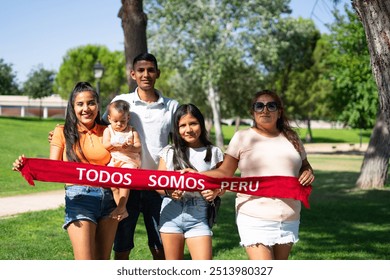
8	84
78	65
39	83
355	94
210	44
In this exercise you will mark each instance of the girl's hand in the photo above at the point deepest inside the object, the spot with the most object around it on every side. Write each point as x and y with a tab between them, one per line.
119	214
176	194
306	178
18	163
209	195
190	170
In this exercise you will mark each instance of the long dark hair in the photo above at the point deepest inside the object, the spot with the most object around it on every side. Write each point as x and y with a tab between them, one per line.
180	157
283	123
71	132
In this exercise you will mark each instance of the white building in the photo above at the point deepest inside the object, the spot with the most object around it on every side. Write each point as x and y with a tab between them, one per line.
24	106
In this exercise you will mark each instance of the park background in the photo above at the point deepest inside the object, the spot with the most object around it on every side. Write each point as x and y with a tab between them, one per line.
343	223
322	75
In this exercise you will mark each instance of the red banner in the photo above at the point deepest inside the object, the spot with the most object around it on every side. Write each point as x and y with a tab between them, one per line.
47	170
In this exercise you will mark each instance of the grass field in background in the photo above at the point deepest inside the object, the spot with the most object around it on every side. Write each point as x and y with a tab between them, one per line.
343	223
26	136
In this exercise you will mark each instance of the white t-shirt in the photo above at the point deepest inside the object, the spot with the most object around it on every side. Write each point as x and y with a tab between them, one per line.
196	157
153	122
266	156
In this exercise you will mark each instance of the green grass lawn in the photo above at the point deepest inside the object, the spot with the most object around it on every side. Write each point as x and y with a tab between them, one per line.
23	136
343	223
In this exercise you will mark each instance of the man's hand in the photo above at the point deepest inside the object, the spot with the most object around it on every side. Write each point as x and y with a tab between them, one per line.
50	137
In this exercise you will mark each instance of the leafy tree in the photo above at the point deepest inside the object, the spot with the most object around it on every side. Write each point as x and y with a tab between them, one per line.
78	65
309	89
207	38
375	18
39	84
286	46
290	65
354	91
183	84
8	85
321	87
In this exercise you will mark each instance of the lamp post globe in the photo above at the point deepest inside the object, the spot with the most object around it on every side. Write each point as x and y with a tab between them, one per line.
98	71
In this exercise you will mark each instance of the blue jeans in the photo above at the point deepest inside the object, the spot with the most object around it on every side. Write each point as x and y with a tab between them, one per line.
87	203
187	216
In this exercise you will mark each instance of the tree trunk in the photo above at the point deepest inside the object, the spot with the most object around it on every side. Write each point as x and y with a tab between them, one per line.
213	98
40	108
374	169
375	17
134	22
285	80
309	133
238	121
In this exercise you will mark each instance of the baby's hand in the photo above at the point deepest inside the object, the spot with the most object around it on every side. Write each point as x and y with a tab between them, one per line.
117	142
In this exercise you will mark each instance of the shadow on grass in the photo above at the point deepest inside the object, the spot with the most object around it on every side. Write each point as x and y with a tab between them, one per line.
344	223
225	234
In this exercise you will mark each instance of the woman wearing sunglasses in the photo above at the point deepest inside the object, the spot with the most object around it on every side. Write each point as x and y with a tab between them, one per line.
268	227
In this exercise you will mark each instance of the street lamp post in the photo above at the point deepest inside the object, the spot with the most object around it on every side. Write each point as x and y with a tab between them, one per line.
98	71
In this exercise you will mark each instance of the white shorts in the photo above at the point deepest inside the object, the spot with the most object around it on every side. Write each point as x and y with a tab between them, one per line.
254	231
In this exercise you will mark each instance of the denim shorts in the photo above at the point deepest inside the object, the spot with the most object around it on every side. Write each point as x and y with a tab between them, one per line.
187	216
254	231
149	204
87	203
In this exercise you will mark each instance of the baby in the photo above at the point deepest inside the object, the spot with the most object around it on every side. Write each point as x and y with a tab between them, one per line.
124	144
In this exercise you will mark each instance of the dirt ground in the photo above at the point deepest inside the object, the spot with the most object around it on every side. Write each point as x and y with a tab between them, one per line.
336	148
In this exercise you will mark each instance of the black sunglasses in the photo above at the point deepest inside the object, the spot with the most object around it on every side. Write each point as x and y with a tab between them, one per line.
259	106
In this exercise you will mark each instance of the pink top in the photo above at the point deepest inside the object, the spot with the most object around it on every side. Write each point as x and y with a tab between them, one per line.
266	156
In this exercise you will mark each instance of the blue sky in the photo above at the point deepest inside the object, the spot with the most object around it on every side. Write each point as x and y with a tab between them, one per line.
40	32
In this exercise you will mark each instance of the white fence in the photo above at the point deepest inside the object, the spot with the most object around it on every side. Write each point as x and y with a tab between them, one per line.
23	106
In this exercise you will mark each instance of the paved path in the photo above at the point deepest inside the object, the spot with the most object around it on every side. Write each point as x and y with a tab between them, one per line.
14	205
335	148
